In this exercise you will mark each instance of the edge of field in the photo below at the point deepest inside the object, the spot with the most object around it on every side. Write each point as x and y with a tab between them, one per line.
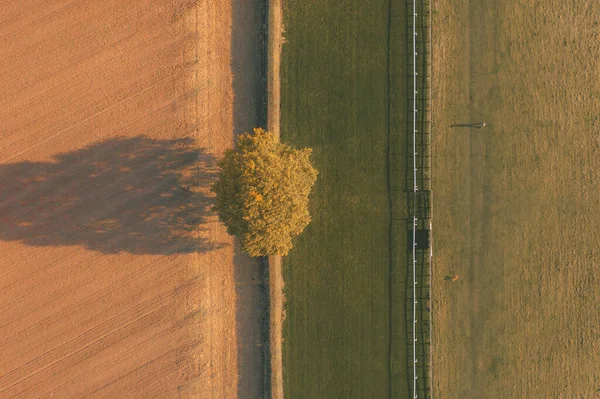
275	41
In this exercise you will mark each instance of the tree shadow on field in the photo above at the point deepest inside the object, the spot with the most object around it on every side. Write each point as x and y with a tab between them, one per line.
136	195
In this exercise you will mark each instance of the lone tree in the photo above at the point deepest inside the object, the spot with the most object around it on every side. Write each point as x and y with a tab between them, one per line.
262	192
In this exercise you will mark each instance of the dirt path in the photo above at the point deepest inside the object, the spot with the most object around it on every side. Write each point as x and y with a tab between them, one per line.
276	297
114	115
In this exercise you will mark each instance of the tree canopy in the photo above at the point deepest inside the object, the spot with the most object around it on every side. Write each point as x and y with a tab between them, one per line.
262	192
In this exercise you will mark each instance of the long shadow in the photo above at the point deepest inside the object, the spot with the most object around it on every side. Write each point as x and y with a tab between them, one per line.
249	66
418	204
136	195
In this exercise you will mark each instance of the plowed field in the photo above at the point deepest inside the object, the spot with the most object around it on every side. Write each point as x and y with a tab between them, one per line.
116	279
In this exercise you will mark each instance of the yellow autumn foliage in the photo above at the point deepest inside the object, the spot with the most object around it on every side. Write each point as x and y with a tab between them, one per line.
262	192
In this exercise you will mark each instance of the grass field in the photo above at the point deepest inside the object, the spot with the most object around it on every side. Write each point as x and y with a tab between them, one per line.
516	203
342	336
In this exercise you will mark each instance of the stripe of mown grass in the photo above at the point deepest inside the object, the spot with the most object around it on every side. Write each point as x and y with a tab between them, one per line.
343	297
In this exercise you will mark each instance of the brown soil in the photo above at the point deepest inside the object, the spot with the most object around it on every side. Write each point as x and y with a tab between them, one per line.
276	311
113	116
